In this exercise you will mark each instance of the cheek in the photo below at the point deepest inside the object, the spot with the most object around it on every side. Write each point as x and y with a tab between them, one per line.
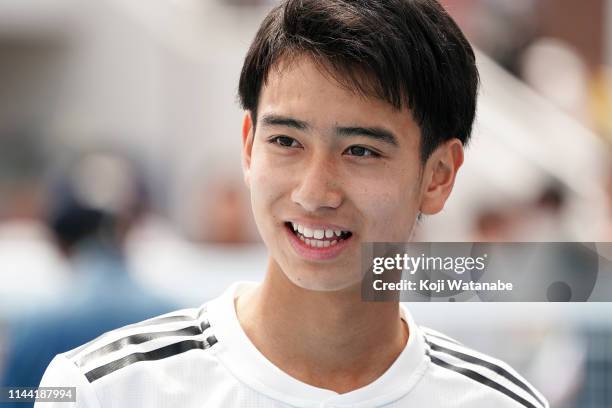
390	208
267	187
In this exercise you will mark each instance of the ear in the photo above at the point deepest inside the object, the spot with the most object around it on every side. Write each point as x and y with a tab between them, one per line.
439	175
247	146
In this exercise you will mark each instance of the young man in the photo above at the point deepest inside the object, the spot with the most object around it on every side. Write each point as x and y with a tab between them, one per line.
356	117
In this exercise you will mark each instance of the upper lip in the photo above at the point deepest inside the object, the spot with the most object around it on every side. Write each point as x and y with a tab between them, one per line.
318	225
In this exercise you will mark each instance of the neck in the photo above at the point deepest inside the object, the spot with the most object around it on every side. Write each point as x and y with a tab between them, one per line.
326	339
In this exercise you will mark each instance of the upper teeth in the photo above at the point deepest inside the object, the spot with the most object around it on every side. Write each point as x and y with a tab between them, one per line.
316	233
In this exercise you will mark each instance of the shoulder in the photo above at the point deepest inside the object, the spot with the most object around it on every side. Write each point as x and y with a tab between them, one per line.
490	379
147	345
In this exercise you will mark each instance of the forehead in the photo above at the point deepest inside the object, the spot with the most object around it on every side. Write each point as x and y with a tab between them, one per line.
303	89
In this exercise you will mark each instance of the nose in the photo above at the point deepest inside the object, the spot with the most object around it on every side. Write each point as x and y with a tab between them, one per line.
318	187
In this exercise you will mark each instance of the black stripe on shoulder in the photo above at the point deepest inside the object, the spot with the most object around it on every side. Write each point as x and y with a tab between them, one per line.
138	338
149	322
487	364
483	380
153	355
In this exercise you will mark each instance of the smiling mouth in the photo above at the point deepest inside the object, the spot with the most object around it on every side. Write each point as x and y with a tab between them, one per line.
318	238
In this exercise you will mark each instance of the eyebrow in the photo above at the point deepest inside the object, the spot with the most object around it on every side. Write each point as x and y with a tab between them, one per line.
376	133
372	132
278	120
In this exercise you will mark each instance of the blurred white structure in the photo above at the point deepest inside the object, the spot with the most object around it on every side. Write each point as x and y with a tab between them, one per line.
521	142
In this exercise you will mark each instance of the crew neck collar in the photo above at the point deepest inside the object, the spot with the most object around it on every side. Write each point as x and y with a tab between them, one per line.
236	352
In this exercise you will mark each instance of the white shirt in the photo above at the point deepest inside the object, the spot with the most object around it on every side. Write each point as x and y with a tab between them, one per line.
202	358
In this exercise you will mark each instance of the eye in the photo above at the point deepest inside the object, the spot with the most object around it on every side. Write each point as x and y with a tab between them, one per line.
284	141
361	151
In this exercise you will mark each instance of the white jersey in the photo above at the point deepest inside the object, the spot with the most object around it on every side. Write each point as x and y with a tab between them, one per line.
198	358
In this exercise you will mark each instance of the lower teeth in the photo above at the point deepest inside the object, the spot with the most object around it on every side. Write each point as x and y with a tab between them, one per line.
318	244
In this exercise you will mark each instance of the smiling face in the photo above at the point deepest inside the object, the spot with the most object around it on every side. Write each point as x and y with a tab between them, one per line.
329	169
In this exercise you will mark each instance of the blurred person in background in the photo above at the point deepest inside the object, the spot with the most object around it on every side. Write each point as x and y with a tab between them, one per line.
32	270
545	216
539	219
225	214
93	209
493	224
220	234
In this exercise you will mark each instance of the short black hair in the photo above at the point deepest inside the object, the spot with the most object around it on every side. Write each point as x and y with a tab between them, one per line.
406	52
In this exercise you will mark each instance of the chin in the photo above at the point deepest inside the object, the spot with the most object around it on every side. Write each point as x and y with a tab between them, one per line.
329	282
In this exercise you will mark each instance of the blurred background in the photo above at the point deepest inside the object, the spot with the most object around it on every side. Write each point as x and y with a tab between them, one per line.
121	186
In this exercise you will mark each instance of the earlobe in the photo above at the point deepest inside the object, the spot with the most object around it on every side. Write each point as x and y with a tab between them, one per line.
439	176
247	146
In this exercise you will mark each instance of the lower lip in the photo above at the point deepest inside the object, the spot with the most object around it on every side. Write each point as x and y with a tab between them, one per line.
316	254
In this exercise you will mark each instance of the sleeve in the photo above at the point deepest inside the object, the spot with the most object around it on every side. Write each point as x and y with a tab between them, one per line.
63	373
